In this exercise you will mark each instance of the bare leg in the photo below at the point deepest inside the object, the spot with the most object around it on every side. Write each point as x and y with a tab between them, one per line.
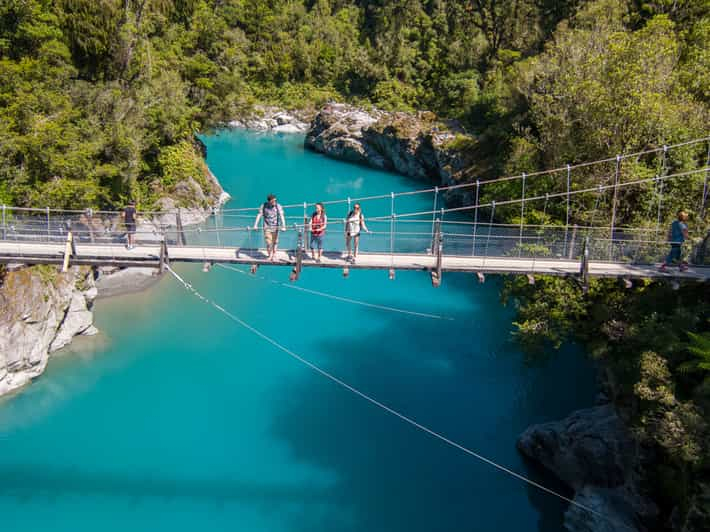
347	244
356	238
267	242
276	245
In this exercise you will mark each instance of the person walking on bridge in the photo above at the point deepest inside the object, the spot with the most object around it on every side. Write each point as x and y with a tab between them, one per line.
319	222
354	224
676	236
273	215
129	219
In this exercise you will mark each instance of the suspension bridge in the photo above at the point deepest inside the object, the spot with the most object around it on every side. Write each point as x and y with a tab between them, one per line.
600	236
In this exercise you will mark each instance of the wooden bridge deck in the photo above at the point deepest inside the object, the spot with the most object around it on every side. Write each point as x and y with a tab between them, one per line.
149	255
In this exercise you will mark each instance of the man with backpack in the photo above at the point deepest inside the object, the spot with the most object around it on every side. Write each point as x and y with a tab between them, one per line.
676	236
273	215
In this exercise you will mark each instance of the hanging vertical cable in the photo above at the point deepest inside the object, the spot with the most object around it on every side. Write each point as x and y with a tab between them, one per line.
567	209
522	217
613	207
475	219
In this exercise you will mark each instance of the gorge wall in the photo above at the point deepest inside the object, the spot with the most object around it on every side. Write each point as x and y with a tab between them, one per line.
417	145
42	310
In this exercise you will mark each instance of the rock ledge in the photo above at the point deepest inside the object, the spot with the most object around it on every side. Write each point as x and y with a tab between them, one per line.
593	453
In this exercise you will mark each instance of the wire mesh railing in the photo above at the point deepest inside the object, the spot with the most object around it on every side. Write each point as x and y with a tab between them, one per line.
384	236
406	222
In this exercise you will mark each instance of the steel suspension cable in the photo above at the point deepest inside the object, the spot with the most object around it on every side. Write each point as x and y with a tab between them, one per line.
617	172
567	209
386	408
490	227
475	220
551	196
338	298
705	185
522	217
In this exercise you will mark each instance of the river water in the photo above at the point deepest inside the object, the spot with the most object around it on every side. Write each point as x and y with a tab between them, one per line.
176	418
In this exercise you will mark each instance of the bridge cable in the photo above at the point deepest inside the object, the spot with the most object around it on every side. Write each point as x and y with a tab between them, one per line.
490	225
705	184
340	298
475	219
567	208
388	409
522	217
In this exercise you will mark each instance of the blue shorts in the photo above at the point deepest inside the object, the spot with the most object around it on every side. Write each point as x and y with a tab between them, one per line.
316	241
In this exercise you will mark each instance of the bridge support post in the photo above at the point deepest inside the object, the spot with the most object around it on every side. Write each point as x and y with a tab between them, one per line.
164	258
180	231
296	272
306	241
49	226
584	266
69	250
90	223
570	253
4	223
438	249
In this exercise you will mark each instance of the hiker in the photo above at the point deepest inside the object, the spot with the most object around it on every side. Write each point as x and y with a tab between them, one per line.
354	224
676	236
129	219
271	211
319	222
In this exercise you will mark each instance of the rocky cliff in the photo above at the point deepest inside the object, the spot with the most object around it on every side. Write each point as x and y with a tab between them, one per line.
42	310
417	145
593	453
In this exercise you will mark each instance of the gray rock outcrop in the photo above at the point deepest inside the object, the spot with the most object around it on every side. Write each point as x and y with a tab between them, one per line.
273	119
593	453
417	145
42	310
201	204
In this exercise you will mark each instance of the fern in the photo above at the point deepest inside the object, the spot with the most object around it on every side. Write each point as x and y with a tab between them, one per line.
699	347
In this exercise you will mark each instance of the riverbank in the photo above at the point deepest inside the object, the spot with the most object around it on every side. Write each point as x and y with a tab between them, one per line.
44	309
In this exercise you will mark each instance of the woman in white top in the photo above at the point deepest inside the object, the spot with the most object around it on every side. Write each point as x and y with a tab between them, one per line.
354	224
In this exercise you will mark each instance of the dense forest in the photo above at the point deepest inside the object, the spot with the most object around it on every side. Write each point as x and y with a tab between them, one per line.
100	101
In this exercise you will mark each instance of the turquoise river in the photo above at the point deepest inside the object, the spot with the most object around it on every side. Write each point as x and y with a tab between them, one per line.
176	418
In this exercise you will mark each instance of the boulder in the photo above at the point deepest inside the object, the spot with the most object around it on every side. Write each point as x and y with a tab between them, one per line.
125	281
593	452
611	511
289	128
272	119
77	320
416	145
591	446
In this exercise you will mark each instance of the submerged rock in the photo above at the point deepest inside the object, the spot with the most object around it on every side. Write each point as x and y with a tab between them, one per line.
117	281
594	454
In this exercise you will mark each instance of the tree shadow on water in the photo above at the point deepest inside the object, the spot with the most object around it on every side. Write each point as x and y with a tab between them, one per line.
392	476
